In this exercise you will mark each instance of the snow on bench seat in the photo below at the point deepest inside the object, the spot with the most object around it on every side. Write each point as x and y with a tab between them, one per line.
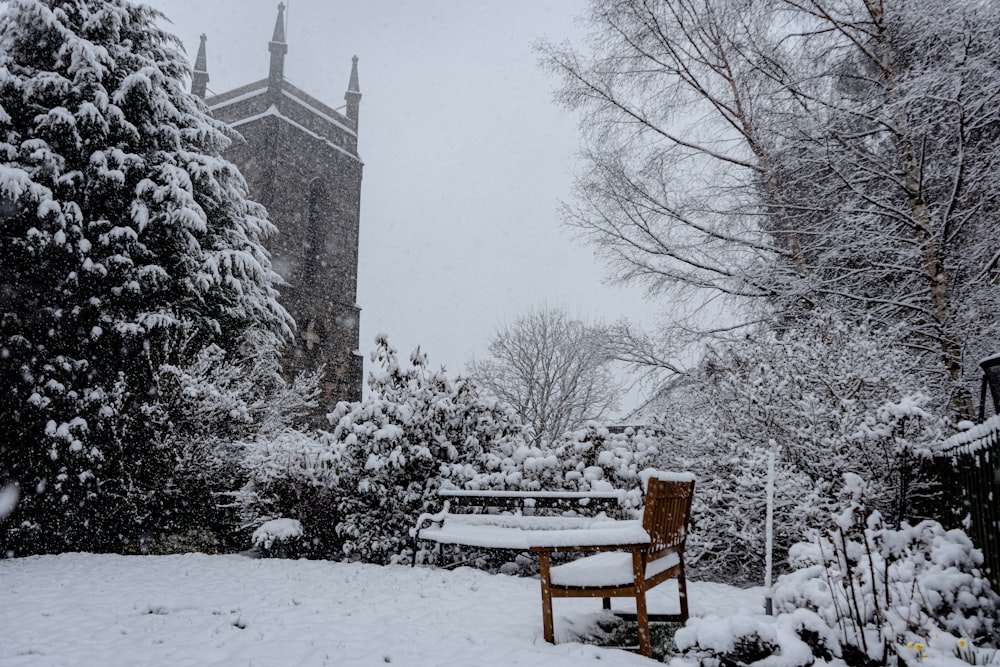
504	531
607	569
520	520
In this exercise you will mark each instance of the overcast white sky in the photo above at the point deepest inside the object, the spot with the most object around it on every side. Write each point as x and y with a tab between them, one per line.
466	155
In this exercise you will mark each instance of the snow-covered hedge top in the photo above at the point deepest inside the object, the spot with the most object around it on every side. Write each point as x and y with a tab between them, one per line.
976	438
664	476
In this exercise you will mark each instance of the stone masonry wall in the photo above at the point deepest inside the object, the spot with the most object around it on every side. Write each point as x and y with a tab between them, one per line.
312	193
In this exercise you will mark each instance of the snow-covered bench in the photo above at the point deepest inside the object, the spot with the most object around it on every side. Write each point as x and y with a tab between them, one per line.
634	555
629	568
519	520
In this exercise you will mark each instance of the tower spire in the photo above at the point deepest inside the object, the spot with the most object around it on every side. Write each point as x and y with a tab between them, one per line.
279	25
199	76
353	94
278	49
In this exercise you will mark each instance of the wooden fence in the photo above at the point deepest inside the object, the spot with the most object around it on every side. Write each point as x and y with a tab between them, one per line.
973	460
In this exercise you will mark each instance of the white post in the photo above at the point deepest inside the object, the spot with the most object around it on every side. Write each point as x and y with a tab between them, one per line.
769	534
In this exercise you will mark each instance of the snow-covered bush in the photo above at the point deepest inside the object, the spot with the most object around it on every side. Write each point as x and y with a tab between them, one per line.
727	537
234	395
865	594
417	430
288	474
747	638
218	417
834	397
594	459
587	459
880	589
278	538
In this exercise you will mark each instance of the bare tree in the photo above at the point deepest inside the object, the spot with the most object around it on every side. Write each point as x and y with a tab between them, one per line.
790	154
555	371
895	168
677	190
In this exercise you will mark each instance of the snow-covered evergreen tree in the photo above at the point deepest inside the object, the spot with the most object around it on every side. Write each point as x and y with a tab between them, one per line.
127	243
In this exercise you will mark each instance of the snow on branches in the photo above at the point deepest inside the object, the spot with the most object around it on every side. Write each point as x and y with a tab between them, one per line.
417	430
835	398
128	243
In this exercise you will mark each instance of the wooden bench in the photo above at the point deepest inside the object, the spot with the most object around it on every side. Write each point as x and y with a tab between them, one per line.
516	520
630	568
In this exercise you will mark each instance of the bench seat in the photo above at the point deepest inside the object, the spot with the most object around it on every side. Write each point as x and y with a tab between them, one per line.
520	520
498	531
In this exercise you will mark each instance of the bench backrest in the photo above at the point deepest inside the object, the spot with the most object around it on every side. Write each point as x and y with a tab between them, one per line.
666	514
585	502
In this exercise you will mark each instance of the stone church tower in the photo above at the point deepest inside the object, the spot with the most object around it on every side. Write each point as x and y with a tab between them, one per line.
300	159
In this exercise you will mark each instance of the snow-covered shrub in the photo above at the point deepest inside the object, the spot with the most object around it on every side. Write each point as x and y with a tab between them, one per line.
863	594
279	538
234	395
594	459
289	474
834	397
881	591
728	530
417	430
215	417
747	638
244	453
587	459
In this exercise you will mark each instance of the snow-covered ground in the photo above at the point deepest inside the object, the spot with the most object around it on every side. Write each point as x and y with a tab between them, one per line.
85	609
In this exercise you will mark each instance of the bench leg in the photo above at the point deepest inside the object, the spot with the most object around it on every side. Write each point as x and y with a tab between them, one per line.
641	614
606	603
544	563
682	589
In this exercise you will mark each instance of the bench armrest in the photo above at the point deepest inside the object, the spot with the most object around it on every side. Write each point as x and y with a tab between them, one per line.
428	519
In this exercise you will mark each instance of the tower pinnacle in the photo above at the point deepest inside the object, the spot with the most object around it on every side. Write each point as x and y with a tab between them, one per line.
278	49
353	94
279	25
199	76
